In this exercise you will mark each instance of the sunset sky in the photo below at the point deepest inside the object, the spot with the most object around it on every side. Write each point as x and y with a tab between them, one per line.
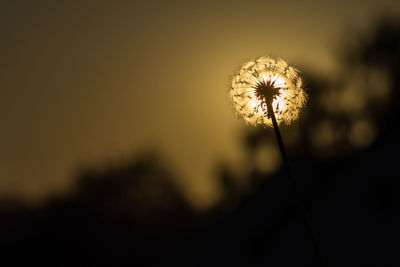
91	83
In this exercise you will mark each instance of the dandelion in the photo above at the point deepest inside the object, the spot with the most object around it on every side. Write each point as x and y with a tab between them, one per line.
266	87
268	92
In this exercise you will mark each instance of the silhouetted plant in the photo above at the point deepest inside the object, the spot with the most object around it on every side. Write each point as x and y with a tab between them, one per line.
266	92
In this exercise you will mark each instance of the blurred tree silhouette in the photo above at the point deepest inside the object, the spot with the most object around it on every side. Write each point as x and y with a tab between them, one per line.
342	152
130	214
344	156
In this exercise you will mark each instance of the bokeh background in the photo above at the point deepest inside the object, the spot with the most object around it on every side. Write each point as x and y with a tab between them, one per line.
118	145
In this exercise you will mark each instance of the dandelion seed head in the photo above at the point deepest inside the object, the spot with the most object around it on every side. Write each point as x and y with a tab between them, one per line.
263	81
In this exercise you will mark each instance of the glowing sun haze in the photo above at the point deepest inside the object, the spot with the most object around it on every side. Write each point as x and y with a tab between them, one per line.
94	82
266	79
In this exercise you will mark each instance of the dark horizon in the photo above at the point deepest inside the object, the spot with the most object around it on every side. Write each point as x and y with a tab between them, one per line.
119	147
84	84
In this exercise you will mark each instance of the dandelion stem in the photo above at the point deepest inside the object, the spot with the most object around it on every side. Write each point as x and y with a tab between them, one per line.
307	221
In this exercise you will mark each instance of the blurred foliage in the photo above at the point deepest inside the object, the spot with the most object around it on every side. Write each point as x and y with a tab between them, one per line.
134	214
347	113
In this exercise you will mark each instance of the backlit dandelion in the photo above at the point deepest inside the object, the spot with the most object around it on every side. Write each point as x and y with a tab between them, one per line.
264	86
267	92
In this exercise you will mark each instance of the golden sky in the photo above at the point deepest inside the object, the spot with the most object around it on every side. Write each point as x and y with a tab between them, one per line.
93	82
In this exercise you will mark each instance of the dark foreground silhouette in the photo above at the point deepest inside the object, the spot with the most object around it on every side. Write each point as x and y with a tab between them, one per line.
133	215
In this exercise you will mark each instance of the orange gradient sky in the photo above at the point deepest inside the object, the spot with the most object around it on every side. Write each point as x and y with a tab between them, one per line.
93	82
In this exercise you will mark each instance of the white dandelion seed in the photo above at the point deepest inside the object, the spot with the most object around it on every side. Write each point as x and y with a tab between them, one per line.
267	92
267	82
